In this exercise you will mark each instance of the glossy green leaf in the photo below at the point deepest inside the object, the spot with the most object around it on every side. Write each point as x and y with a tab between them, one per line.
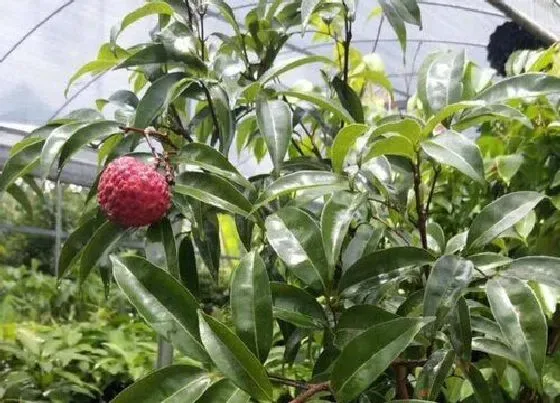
542	269
224	391
500	215
151	54
460	333
398	12
520	317
449	276
440	80
160	247
406	127
486	326
154	99
365	240
320	182
21	162
213	190
487	113
206	235
94	67
356	320
447	112
167	306
181	44
384	261
234	359
274	119
102	240
453	149
323	103
307	8
251	305
20	196
293	305
335	220
391	144
433	374
187	266
495	347
368	355
481	389
211	160
173	384
508	165
151	8
349	99
227	13
224	117
343	142
296	238
289	65
85	135
525	86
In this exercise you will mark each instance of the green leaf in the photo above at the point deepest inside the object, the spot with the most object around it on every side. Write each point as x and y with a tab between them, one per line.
296	238
433	374
224	391
319	182
274	119
151	8
520	317
349	99
213	190
181	45
94	67
391	144
482	114
227	13
284	67
356	320
460	333
160	247
102	240
155	98
508	165
335	220
251	305
234	359
453	149
384	261
456	243
480	387
211	160
495	347
322	102
450	275
21	197
187	266
307	9
21	162
176	383
447	112
224	116
369	354
440	80
85	135
293	305
365	240
500	215
343	142
206	235
542	269
163	302
398	12
524	86
406	127
152	54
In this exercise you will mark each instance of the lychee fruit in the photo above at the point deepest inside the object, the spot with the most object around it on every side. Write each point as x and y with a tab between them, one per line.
132	194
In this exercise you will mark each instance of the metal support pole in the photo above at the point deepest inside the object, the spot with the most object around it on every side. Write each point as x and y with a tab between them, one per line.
57	226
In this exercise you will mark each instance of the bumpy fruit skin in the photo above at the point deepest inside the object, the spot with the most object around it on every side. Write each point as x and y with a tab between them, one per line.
132	194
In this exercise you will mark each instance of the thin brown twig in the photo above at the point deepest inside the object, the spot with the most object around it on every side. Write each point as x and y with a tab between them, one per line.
161	137
311	391
432	191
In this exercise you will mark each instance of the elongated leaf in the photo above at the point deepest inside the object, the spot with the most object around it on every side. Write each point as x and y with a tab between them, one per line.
296	238
163	302
102	240
53	145
365	240
335	221
181	44
508	165
542	269
322	102
211	160
356	320
21	162
307	8
160	247
224	117
349	99
440	80
406	127
398	12
251	305
519	315
187	266
213	190
449	276
384	261
319	182
151	54
94	67
284	67
85	135
293	305
274	119
343	142
487	113
460	333
453	149
433	374
20	196
234	359
500	215
155	97
486	326
227	13
224	391
151	8
495	347
529	85
481	389
391	144
176	383
369	354
447	112
206	236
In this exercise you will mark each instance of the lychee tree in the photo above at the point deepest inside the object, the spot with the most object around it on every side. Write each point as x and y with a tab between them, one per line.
387	255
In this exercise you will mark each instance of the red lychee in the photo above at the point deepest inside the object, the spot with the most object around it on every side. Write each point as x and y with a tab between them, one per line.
132	194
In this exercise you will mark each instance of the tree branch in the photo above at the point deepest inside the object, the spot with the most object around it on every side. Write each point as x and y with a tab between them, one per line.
347	40
161	137
311	391
420	210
